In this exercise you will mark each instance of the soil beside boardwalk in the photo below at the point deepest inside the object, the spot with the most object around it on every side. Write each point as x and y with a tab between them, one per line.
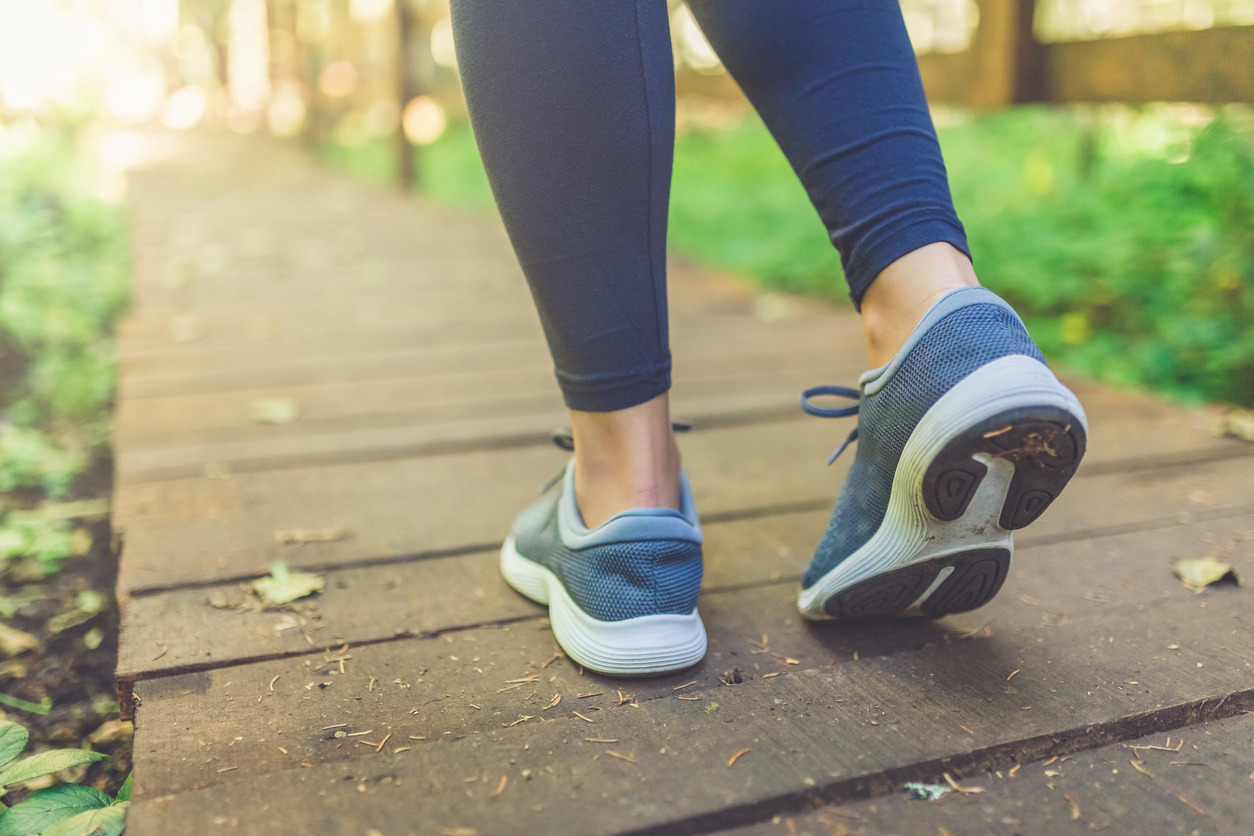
355	382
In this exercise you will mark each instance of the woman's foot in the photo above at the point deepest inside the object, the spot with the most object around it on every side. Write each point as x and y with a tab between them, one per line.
963	436
622	595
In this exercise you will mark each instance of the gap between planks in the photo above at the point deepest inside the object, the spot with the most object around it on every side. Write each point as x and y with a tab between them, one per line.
780	509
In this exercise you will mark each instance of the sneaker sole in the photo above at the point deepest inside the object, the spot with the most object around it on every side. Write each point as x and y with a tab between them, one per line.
641	646
988	458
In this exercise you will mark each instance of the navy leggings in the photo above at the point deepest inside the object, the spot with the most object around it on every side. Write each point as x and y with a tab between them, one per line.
573	107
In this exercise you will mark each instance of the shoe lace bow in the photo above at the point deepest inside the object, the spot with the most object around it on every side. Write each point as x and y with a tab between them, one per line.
839	412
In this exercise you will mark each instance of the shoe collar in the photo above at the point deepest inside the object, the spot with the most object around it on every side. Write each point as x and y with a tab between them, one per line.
629	526
872	381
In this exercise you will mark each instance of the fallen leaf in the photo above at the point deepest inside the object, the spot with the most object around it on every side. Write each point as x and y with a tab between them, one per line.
927	792
284	585
13	642
275	410
1199	574
297	536
1236	423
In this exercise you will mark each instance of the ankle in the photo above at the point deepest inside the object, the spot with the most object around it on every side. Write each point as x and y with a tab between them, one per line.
625	459
899	297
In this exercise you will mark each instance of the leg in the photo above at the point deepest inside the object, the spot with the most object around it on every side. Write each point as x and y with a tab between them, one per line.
573	109
963	432
578	150
839	88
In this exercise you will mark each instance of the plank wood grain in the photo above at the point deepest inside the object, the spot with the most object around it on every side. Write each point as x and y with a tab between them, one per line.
831	733
179	630
205	530
472	681
1203	788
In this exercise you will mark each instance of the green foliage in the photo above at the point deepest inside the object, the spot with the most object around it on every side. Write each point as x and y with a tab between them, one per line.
62	810
45	763
44	809
373	161
30	459
13	738
450	170
106	821
736	204
1126	242
41	708
1125	238
63	280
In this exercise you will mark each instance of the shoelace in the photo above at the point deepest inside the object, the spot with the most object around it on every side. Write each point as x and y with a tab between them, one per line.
565	440
842	412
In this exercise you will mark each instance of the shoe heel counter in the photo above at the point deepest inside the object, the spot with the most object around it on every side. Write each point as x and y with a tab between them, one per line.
678	574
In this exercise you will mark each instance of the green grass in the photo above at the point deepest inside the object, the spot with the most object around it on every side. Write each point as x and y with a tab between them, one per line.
1124	238
64	273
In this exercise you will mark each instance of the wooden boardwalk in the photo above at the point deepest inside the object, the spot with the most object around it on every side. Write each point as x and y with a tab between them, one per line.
419	694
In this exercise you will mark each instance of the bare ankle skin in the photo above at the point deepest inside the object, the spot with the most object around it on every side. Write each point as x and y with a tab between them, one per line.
629	459
625	459
899	296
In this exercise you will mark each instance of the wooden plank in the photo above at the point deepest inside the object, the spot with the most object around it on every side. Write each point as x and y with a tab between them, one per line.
353	407
399	315
434	351
205	530
1203	788
179	630
175	437
832	733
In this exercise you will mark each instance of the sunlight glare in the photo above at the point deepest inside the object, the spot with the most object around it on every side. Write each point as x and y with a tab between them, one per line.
161	19
369	11
134	98
443	52
287	109
424	120
44	50
185	108
338	79
248	61
692	46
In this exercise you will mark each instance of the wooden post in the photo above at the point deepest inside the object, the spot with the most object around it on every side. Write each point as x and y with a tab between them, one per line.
406	89
1006	60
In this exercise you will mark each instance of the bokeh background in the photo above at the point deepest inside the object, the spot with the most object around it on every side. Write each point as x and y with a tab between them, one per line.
1101	154
1119	224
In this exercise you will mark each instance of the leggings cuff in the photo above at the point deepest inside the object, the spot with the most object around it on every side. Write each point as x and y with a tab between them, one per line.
905	238
607	393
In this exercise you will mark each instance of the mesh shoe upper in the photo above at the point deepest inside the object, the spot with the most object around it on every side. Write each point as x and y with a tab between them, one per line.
965	330
646	561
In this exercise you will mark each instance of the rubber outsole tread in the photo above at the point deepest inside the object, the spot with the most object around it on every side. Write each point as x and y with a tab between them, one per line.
977	576
1044	443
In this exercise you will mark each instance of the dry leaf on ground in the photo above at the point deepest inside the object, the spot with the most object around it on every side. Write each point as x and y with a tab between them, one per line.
1237	423
297	536
1199	574
283	584
275	410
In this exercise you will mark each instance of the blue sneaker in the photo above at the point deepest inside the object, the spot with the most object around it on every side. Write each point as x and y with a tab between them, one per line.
622	597
965	436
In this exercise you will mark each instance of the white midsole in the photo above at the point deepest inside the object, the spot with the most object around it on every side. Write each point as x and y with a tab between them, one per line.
909	533
632	647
